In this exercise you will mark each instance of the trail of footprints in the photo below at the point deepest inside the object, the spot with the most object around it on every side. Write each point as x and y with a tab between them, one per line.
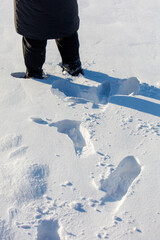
33	182
115	186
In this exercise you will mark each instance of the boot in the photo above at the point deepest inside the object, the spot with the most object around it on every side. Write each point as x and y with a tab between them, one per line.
39	75
73	68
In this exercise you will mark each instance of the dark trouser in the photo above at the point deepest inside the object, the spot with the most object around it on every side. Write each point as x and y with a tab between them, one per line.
34	52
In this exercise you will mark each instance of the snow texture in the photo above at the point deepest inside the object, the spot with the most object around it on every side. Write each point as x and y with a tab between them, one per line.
79	156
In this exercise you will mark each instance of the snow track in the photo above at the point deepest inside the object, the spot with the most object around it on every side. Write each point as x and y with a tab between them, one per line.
117	184
79	156
47	229
75	131
81	93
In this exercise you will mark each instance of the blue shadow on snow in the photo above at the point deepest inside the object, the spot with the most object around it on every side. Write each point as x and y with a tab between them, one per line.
136	103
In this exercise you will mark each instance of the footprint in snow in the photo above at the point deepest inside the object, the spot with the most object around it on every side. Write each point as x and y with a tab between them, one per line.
10	141
75	131
6	232
20	152
29	183
48	229
78	207
70	91
38	120
118	182
37	176
126	86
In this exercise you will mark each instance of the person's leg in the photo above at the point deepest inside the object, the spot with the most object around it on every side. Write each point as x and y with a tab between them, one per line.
34	52
69	51
68	48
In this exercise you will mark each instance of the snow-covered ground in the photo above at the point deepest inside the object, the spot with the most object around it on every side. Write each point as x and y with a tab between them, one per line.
80	157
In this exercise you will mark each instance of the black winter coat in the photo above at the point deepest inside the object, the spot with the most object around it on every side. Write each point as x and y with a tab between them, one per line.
46	19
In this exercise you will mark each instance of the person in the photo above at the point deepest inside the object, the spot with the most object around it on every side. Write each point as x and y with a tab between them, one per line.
40	20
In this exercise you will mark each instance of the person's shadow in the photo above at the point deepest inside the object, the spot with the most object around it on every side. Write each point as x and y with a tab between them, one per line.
110	90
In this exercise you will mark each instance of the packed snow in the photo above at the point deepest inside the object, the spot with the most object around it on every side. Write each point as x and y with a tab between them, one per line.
80	156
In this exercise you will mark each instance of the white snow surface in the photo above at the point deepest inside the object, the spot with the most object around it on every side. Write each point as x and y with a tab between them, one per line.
80	156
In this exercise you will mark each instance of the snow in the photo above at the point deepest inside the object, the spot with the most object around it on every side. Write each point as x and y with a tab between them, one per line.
79	156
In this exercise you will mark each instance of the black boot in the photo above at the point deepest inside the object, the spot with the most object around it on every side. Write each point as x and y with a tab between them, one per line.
39	75
73	68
